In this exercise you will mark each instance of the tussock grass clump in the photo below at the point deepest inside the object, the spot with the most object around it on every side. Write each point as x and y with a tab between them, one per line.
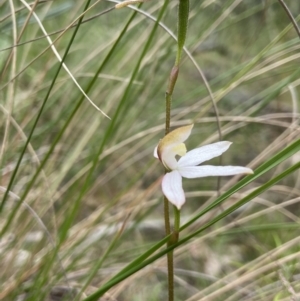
81	203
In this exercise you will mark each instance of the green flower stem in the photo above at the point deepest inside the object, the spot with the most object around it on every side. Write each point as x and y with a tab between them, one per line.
170	260
175	235
167	219
172	81
170	255
183	17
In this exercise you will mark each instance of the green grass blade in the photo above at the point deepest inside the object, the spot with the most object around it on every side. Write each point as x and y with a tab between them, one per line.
9	187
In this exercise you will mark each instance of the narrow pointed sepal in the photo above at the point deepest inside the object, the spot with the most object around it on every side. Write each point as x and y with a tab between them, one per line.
203	153
192	172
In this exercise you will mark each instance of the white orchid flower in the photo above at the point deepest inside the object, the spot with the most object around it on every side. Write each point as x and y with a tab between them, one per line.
187	166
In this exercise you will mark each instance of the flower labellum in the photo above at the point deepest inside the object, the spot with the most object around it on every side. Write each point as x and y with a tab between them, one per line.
187	166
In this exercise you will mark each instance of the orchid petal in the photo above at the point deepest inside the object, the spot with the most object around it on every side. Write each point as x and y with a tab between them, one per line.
179	149
172	188
192	172
168	146
155	152
203	153
172	145
175	137
169	160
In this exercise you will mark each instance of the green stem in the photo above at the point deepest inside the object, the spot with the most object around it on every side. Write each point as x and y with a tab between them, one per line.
176	225
167	214
170	265
170	255
170	258
172	81
183	17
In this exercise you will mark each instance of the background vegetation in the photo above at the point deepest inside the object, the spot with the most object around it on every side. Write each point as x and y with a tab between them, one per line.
84	196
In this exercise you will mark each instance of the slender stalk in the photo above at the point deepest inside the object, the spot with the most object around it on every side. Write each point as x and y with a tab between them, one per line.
170	259
183	16
175	235
170	265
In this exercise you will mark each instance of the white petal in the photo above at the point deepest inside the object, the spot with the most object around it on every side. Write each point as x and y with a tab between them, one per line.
175	137
169	161
204	153
172	188
191	172
168	146
169	155
155	152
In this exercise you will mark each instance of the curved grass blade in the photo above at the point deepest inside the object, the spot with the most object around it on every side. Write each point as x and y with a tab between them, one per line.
37	119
